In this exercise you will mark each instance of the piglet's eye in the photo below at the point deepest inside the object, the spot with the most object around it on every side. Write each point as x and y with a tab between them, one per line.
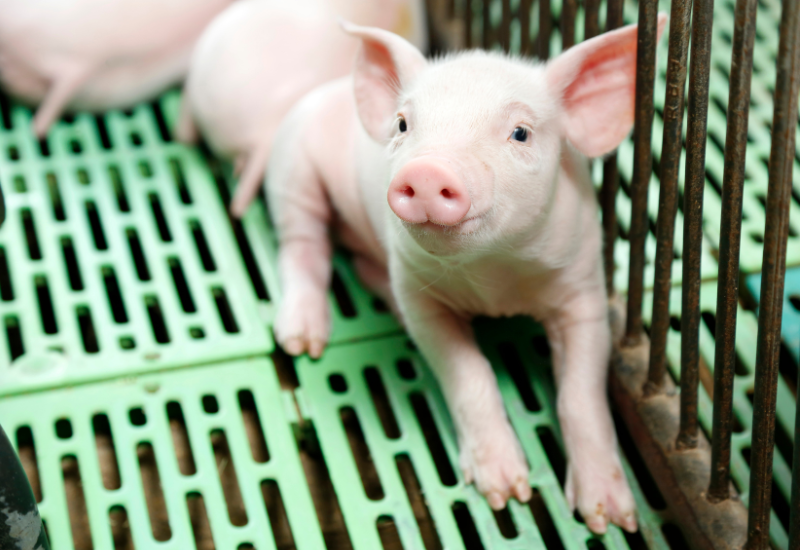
403	126
520	134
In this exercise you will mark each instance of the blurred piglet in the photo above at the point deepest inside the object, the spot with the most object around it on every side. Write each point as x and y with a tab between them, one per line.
464	191
258	58
96	54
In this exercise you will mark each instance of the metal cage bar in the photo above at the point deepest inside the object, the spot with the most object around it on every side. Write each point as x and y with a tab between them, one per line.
569	9
702	23
610	187
642	164
776	233
730	237
671	149
545	24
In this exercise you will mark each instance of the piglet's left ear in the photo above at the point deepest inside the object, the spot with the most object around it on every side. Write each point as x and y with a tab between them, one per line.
596	81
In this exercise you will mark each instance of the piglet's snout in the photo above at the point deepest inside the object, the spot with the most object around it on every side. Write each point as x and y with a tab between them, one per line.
427	190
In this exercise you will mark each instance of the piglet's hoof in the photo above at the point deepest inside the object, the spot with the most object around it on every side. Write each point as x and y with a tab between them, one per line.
303	324
600	492
497	466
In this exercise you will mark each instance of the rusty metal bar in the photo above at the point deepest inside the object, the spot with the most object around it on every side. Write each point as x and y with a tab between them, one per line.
702	22
773	272
608	203
525	27
642	164
567	24
545	24
468	24
671	149
591	22
610	187
524	17
504	34
681	476
730	237
486	16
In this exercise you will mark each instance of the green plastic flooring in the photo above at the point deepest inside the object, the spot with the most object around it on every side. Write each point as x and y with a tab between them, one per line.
139	381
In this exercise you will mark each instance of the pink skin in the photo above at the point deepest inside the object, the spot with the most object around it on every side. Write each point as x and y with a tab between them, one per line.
427	190
95	54
511	138
244	79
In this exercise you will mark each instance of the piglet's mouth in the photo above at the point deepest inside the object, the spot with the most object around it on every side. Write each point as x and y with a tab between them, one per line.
463	227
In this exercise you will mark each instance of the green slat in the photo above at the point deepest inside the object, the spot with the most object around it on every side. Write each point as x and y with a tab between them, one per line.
152	393
323	406
128	345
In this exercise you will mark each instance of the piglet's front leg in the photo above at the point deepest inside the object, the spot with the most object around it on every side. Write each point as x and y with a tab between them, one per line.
580	339
490	453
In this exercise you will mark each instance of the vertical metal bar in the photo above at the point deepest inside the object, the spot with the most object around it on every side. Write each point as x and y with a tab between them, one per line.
486	39
591	23
467	24
702	22
672	146
545	23
567	24
525	27
608	192
505	26
730	237
642	164
770	310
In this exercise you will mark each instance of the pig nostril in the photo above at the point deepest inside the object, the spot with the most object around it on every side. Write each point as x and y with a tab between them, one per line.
408	191
446	193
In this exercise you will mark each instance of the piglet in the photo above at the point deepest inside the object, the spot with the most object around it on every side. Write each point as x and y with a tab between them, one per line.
96	54
464	190
260	57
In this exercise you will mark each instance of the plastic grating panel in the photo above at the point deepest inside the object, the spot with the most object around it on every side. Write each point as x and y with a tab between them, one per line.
117	256
128	460
790	323
744	380
356	314
759	135
374	404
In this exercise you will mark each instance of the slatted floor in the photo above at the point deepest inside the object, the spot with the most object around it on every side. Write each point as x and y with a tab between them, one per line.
139	380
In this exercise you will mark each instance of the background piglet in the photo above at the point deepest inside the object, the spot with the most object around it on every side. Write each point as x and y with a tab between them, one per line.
470	195
96	54
260	57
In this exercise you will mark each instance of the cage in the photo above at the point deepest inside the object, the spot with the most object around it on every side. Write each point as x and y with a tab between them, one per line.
150	407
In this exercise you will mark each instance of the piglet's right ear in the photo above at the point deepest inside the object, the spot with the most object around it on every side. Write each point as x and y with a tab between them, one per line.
385	64
597	83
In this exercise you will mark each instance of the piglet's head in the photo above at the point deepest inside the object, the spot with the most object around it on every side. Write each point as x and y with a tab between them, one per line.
475	139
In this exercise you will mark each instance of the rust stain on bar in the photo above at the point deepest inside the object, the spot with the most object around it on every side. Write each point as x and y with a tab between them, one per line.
730	237
681	475
776	233
702	21
608	192
642	164
672	147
